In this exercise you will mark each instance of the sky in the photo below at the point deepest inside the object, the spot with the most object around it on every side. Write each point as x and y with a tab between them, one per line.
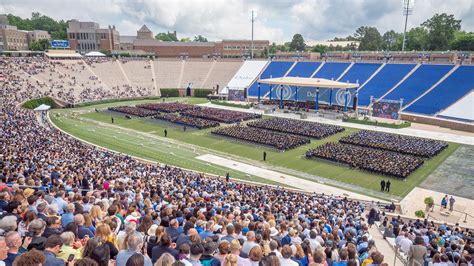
276	20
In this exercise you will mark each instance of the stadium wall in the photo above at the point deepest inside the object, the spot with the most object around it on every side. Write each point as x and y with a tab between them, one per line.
456	125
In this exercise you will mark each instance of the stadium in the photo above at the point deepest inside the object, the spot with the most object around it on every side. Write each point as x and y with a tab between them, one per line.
185	153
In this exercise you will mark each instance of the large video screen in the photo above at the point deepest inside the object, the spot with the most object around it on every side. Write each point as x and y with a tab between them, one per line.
385	109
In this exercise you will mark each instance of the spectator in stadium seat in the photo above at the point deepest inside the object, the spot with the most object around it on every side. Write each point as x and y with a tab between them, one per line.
68	216
31	258
82	230
52	249
286	254
417	252
165	246
134	245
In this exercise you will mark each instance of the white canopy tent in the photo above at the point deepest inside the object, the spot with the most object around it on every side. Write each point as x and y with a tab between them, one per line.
309	82
43	107
95	54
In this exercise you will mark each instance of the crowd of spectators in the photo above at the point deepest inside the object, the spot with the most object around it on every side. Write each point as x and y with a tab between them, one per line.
374	160
170	107
425	243
51	79
132	110
298	127
220	115
281	141
61	199
198	123
393	142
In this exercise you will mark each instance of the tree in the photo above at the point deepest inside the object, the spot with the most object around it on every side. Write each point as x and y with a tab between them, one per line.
57	29
40	45
166	37
200	38
390	39
273	49
369	37
264	53
297	43
417	39
441	29
463	41
319	48
185	40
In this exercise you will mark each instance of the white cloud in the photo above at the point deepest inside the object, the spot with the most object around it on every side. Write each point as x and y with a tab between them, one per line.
277	20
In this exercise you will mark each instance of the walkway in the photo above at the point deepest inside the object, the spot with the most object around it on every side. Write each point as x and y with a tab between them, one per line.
463	138
384	247
299	183
414	201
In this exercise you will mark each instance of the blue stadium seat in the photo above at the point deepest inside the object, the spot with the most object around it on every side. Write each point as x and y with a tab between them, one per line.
304	69
421	80
448	92
275	69
359	72
388	77
331	70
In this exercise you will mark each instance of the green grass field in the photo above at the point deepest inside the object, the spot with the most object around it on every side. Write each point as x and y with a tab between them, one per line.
144	138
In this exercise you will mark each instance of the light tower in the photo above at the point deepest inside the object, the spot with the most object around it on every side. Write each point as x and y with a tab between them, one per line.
254	14
407	10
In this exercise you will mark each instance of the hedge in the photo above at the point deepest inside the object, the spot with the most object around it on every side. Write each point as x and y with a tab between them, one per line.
169	92
32	104
202	93
224	103
114	100
379	124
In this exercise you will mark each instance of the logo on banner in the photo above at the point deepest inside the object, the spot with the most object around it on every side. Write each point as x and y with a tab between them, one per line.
285	90
341	97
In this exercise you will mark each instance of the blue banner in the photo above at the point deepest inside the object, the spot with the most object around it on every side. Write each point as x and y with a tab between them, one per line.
336	97
59	44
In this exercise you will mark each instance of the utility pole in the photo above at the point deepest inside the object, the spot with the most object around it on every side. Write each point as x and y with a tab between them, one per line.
407	9
251	45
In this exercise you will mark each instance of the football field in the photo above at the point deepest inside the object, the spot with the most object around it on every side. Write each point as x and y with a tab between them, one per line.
144	138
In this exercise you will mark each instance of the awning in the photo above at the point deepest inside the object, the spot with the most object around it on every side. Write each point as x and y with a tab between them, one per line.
309	82
65	54
95	54
42	107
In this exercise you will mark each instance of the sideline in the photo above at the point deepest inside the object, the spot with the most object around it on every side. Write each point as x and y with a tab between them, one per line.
303	184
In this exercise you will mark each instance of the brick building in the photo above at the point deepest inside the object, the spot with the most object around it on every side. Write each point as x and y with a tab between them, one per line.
13	39
88	36
241	48
144	42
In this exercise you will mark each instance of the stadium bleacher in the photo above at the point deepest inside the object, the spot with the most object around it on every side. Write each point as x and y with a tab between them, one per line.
109	72
222	73
453	88
360	72
421	80
460	110
332	70
304	69
139	73
167	73
388	77
194	72
274	69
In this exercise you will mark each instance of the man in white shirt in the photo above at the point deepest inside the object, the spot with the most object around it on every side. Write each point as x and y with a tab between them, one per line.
405	244
249	243
313	241
286	253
